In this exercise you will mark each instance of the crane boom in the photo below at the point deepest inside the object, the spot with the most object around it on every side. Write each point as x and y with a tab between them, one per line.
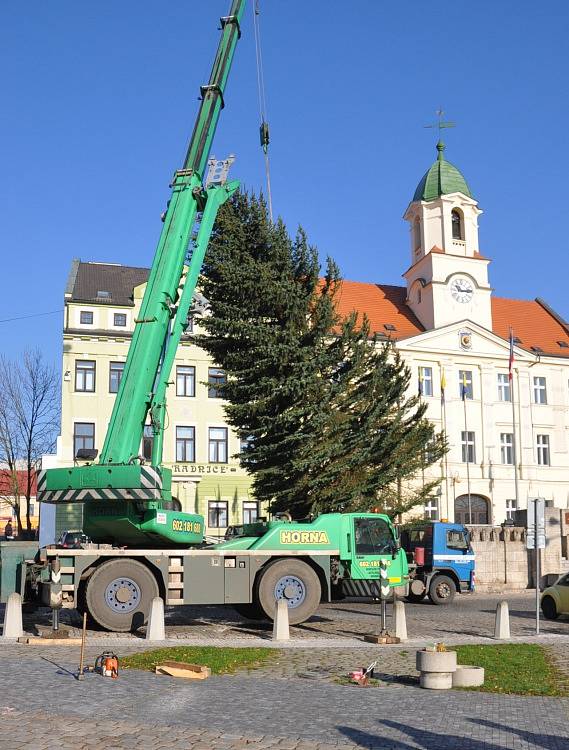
126	501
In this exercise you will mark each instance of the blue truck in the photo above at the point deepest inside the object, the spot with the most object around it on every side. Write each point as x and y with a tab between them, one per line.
441	561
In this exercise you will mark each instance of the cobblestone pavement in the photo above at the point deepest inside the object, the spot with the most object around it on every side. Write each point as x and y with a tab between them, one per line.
294	703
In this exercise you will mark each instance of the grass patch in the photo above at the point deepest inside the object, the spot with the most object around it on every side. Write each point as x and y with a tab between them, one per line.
219	660
515	668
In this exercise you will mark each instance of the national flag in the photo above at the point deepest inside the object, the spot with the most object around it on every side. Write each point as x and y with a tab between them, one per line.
443	385
464	387
511	360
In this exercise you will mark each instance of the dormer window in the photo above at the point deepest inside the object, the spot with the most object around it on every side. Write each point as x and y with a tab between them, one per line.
457	225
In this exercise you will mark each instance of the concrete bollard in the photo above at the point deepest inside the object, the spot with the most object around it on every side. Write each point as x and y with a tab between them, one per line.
502	626
399	620
156	630
280	623
436	668
13	627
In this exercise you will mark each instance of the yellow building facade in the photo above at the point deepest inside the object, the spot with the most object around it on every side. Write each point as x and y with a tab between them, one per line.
101	306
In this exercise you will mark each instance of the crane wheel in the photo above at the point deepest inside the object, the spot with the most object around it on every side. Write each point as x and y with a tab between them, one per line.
119	594
294	581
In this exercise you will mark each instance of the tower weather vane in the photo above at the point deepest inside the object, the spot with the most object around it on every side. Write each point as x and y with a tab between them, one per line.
441	124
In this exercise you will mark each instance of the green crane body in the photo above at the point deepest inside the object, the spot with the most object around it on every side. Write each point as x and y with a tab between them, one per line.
125	501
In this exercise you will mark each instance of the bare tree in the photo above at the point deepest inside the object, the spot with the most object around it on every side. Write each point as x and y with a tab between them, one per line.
29	423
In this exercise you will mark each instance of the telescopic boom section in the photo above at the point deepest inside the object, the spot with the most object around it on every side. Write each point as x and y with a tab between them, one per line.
124	434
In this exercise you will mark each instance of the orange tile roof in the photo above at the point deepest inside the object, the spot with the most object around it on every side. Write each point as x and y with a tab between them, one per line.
384	304
531	322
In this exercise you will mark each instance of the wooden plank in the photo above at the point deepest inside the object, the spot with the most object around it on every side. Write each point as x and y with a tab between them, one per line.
184	670
50	641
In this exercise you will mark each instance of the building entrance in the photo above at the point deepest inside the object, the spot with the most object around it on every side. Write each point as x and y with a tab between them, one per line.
479	507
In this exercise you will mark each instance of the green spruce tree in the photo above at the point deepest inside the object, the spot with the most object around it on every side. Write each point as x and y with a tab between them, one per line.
323	406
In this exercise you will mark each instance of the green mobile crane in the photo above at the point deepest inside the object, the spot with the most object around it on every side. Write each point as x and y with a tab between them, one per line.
143	544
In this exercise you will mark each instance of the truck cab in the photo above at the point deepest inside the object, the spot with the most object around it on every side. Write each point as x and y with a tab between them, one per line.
441	561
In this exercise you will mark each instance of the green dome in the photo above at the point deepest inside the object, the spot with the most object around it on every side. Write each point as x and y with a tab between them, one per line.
442	178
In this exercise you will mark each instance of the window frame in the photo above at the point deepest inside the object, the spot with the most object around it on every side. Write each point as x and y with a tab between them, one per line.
215	443
540	390
254	506
147	442
85	371
507	448
511	508
184	441
431	513
504	387
543	449
114	369
467	444
426	380
222	507
84	322
469	396
122	315
76	436
455	212
214	380
186	377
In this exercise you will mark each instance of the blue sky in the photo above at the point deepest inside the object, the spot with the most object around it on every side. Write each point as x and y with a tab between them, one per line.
99	99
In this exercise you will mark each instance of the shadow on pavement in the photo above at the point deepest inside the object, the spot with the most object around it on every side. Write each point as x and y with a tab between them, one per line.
60	669
427	740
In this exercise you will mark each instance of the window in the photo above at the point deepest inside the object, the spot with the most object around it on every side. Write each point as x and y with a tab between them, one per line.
542	442
218	445
504	392
215	378
147	442
119	319
539	390
468	447
250	511
86	317
426	380
456	539
511	507
116	370
431	509
507	447
465	382
83	436
217	514
417	234
373	537
185	380
185	443
32	509
457	228
85	375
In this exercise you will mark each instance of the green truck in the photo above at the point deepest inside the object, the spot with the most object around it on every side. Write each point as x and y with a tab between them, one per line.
143	545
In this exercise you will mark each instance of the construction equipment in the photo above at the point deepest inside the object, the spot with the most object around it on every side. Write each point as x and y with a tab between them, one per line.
143	546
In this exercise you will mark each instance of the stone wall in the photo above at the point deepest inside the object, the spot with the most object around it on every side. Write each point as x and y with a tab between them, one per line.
503	562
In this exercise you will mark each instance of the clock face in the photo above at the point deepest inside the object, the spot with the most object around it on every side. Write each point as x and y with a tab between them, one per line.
461	289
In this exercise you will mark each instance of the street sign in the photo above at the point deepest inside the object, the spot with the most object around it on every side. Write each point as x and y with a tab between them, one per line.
535	523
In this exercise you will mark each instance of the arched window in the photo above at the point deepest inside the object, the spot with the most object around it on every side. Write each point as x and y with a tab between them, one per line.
475	512
417	234
457	225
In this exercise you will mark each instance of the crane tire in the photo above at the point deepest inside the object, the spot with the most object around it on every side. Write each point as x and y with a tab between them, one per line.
442	590
293	580
119	593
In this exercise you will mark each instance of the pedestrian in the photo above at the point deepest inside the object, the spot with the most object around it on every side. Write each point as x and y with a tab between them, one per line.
9	532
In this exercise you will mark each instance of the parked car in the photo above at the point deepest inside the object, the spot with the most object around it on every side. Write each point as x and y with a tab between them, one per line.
72	539
555	599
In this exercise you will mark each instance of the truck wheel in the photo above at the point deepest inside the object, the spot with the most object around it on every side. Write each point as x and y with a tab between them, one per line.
250	611
294	581
442	590
415	598
549	608
119	594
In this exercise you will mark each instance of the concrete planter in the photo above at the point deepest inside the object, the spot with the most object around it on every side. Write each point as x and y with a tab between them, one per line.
468	676
436	668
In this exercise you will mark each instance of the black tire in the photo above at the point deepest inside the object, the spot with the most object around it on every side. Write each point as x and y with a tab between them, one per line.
119	594
442	590
415	598
549	608
250	611
305	590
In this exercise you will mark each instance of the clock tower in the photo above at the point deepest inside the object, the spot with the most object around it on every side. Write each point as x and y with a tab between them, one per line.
448	278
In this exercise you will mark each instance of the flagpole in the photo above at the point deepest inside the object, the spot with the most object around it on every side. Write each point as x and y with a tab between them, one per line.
514	441
467	451
444	418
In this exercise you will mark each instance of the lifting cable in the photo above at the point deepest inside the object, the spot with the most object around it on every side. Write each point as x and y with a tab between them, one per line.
264	127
